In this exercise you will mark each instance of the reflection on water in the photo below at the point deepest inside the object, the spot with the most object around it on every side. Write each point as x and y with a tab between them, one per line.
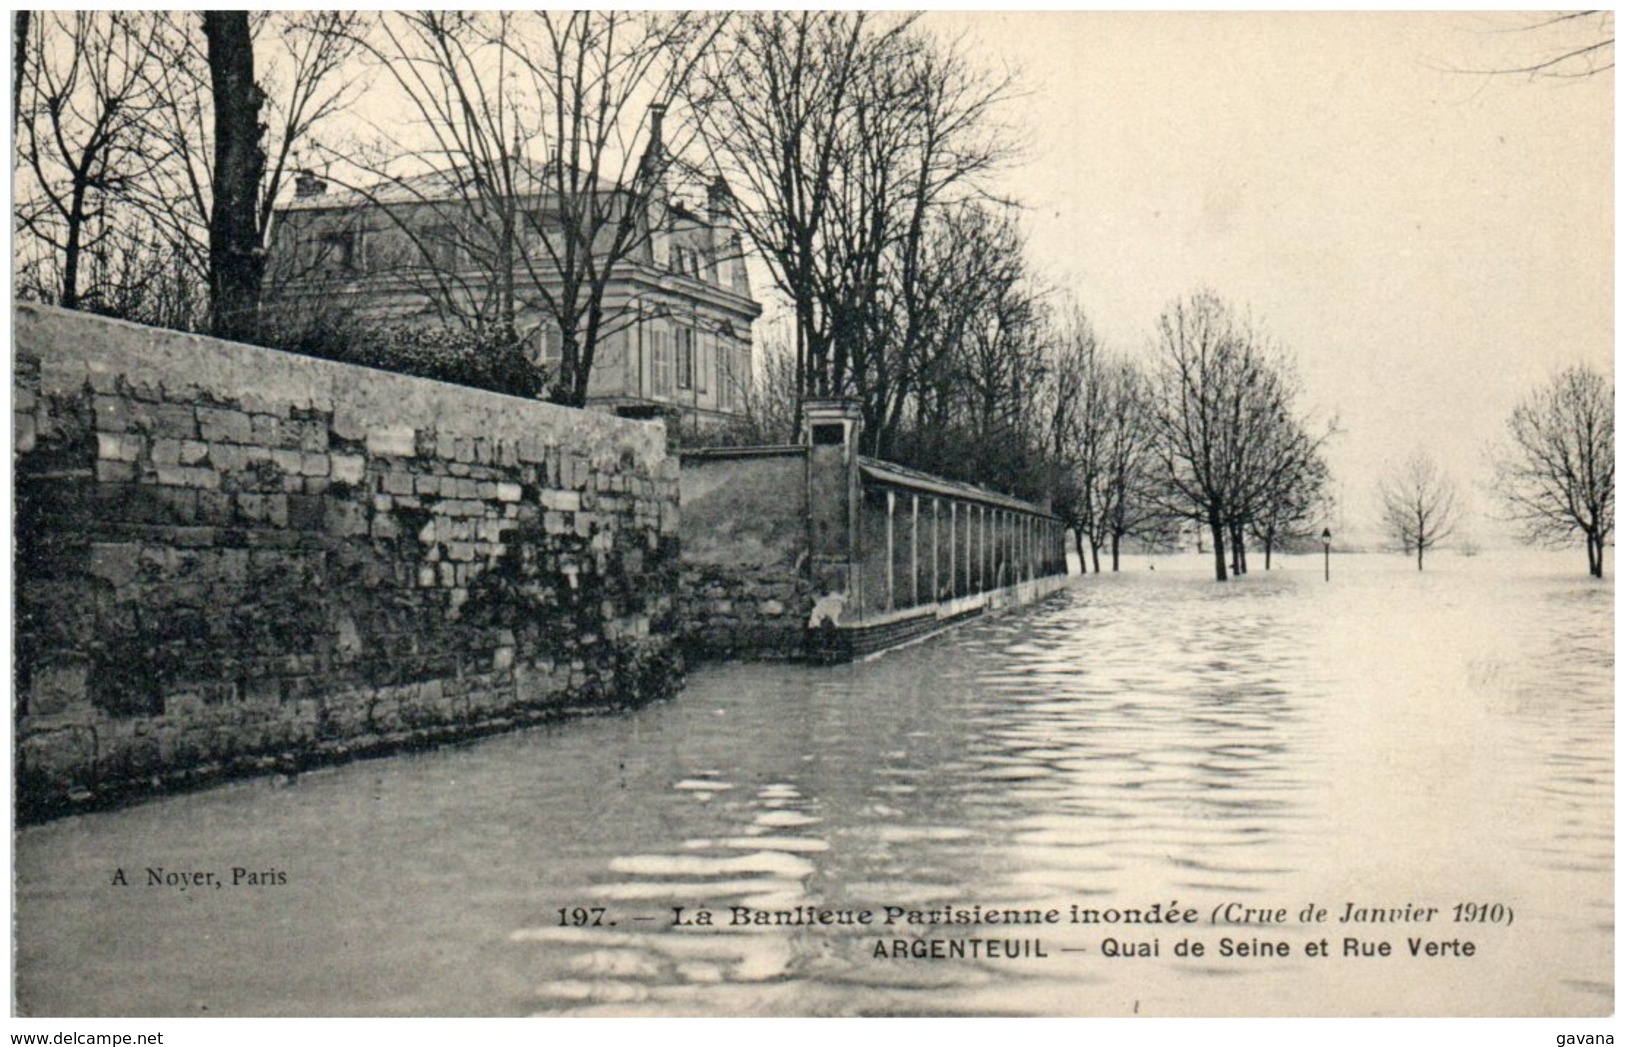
1145	738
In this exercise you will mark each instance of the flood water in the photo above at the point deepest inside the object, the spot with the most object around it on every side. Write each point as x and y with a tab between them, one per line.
1388	739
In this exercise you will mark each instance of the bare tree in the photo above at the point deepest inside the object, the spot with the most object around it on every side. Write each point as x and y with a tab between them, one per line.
848	138
973	259
774	110
1419	507
1128	506
1000	373
1282	476
1557	476
1100	451
1292	495
1084	395
1227	437
1202	362
926	133
1072	377
83	142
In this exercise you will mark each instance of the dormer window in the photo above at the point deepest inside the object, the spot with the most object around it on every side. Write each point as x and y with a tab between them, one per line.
340	250
688	260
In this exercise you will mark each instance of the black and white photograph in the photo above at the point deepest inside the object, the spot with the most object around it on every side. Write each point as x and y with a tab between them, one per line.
764	513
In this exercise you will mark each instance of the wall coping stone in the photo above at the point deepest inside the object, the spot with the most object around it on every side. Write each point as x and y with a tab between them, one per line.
371	401
729	453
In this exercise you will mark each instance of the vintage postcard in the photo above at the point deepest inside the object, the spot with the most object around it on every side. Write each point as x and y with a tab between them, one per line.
854	514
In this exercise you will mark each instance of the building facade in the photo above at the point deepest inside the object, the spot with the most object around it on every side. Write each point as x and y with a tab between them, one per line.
676	333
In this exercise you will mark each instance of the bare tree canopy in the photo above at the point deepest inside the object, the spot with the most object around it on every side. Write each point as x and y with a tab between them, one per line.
1101	443
851	140
1230	447
1558	45
1419	505
1556	476
85	147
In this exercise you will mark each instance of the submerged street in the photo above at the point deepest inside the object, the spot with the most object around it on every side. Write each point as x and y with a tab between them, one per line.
1425	757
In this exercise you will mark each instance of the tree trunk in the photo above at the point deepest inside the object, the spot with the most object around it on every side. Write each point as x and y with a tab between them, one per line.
71	250
1216	531
1269	543
19	59
236	256
563	390
1238	552
1094	553
1115	540
1083	561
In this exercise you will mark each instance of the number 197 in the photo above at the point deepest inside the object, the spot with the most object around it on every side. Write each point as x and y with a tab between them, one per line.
581	917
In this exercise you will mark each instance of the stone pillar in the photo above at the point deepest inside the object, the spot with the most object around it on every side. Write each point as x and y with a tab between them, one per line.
891	550
981	551
914	549
1001	573
936	550
1001	553
1027	571
830	431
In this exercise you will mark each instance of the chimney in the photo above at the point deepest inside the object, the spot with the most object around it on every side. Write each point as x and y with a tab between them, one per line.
657	121
717	198
307	185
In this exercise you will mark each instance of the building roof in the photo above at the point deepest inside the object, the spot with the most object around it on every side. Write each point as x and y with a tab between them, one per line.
426	187
902	476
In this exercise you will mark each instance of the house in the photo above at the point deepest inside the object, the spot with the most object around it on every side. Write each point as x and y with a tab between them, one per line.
676	329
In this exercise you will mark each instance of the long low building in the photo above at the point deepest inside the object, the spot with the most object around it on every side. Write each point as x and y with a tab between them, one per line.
815	551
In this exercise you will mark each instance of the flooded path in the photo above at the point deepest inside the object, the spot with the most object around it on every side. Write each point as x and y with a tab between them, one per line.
1388	740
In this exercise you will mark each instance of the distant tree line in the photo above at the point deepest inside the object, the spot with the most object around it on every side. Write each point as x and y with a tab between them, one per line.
1202	436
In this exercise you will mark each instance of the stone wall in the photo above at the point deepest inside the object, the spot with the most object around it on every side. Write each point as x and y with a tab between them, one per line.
231	559
744	536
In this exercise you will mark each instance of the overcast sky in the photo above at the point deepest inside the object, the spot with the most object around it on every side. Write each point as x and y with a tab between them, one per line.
1430	243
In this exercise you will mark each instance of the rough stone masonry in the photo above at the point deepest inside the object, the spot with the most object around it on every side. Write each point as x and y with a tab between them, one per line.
230	559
